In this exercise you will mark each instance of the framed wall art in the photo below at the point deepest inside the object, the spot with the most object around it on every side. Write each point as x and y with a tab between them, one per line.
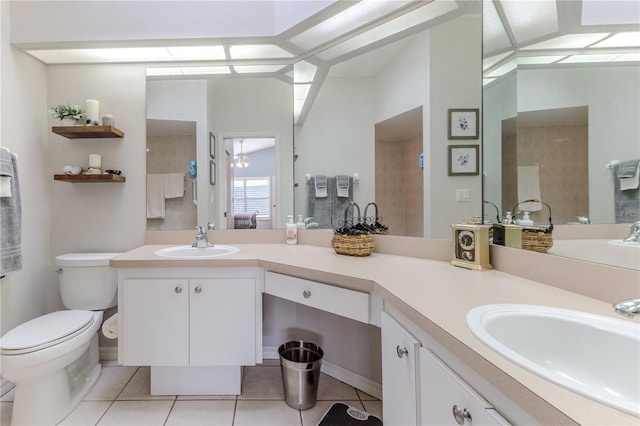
212	146
464	160
463	123
212	172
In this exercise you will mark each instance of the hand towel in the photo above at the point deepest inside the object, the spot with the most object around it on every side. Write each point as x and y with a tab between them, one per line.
340	204
10	216
320	183
529	188
626	203
629	174
155	196
342	185
319	207
173	185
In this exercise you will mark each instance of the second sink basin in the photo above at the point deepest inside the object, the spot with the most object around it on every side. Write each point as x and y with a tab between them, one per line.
189	252
593	355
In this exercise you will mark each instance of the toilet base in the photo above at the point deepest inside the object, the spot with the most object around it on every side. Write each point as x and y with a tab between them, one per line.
56	395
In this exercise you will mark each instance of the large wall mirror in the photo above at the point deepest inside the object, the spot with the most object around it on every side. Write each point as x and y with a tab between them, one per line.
561	101
369	103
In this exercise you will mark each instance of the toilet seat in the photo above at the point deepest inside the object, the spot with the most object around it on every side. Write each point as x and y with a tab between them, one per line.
45	331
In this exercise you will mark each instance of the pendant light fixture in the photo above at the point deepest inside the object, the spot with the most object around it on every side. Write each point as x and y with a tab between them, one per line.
241	159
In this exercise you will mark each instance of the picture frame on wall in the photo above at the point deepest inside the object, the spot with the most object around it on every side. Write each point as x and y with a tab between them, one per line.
212	145
212	172
464	160
463	123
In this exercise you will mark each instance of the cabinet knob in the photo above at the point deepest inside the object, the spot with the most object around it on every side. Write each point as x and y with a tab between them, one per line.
306	294
461	414
178	289
198	289
402	351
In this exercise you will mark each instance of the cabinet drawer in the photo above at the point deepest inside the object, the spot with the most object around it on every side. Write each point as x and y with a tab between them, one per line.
340	301
442	390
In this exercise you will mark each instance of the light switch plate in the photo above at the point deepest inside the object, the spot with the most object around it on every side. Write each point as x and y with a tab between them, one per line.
462	195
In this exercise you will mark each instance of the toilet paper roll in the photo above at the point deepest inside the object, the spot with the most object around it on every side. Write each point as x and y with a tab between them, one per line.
110	327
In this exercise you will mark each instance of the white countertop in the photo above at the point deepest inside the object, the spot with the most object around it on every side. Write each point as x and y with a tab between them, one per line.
599	251
432	293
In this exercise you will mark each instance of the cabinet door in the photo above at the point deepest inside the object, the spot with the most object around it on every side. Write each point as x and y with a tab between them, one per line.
156	318
444	393
399	357
223	321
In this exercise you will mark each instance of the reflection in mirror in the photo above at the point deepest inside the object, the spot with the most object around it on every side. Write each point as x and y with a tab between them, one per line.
561	98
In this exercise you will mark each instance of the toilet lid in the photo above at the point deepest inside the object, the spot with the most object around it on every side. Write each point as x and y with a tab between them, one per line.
46	331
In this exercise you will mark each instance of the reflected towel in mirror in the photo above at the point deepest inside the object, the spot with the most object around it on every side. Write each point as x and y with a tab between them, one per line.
320	184
342	185
629	174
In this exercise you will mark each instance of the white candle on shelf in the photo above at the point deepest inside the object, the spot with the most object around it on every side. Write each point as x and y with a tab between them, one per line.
93	113
95	161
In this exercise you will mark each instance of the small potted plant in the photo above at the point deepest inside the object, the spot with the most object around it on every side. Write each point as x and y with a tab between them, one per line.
70	115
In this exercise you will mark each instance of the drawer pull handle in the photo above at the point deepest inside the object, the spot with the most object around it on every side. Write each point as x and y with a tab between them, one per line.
198	289
306	294
461	414
178	289
402	351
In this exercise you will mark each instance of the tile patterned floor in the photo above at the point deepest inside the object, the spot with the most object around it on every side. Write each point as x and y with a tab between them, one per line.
121	397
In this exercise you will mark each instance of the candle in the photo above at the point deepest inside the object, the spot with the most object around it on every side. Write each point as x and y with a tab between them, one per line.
95	161
93	113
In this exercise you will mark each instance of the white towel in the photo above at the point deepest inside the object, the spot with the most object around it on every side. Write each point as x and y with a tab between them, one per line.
320	183
155	196
529	188
342	185
173	185
632	182
5	186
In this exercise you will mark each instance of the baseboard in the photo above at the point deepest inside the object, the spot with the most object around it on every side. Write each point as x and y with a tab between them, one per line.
108	353
5	386
347	376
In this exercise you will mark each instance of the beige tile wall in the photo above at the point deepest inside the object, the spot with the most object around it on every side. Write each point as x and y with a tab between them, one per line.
399	186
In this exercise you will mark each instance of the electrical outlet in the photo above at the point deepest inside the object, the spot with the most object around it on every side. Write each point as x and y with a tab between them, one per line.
462	195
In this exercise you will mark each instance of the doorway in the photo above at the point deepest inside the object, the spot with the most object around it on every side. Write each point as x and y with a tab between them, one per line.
251	182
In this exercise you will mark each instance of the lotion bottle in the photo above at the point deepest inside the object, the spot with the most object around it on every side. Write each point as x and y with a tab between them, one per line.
526	220
292	231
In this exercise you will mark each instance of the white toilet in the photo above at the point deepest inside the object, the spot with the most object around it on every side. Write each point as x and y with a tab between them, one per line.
53	359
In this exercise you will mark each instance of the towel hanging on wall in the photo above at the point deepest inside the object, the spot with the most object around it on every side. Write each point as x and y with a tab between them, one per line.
321	186
629	174
342	185
10	216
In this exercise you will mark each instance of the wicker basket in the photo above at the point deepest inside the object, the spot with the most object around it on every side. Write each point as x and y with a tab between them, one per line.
537	237
353	238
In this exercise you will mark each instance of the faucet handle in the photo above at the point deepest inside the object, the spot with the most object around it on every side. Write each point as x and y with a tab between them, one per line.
211	226
200	229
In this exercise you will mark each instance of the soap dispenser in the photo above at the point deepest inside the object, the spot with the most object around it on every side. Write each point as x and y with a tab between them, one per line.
292	231
300	222
526	220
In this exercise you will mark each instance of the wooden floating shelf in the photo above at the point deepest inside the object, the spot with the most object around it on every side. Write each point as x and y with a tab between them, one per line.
103	178
85	132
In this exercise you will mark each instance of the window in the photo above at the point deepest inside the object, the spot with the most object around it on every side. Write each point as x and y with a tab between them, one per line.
251	194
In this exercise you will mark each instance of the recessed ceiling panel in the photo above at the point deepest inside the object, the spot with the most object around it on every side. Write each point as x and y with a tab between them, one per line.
530	20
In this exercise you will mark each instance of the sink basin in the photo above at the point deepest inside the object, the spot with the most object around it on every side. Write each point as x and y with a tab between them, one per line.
188	252
625	243
593	355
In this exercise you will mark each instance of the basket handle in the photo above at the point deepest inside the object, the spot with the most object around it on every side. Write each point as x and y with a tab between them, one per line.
356	209
533	200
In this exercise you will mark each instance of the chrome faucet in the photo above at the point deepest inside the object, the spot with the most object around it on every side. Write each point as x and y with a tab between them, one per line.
634	233
628	308
201	238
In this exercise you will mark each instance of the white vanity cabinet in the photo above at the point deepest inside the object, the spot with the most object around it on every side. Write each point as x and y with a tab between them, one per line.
445	399
197	322
399	373
206	317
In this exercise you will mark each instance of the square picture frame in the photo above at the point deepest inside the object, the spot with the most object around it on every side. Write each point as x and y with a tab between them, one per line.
463	123
212	172
464	160
212	146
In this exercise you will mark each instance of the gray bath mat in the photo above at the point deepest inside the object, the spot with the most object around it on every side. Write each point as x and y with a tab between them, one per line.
343	415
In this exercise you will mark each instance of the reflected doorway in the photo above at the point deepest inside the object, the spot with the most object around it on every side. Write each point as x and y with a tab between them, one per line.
251	182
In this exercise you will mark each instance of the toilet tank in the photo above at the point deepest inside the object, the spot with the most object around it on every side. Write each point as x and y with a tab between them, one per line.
87	281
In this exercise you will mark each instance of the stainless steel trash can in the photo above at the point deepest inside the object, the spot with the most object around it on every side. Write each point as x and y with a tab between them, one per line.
300	366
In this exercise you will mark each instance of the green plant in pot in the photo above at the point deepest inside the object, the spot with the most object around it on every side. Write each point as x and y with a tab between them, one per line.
69	114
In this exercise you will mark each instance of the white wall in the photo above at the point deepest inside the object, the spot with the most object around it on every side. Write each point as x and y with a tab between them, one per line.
99	216
254	107
611	93
26	294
